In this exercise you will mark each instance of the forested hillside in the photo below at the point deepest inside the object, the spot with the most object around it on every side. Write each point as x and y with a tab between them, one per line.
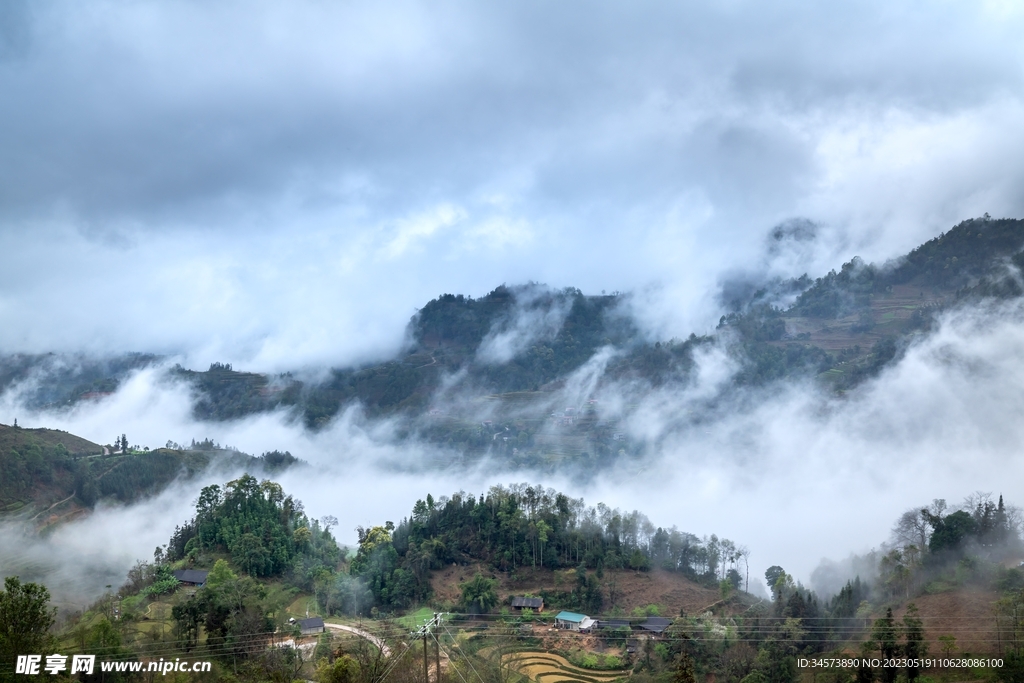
477	367
940	587
62	472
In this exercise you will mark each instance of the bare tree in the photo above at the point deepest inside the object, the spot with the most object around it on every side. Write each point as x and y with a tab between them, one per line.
911	529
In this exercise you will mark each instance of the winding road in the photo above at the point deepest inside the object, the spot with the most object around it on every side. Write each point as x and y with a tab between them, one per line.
362	634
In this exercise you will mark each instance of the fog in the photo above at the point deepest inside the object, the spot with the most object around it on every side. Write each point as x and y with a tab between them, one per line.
281	186
792	472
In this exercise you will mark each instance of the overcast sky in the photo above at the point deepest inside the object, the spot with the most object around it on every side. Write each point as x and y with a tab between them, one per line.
282	184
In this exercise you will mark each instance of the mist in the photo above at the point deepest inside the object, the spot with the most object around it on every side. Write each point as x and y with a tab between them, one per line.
791	471
281	187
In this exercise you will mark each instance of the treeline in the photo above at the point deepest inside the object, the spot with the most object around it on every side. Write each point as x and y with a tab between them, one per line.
265	532
60	380
36	466
43	466
967	254
447	334
936	544
528	526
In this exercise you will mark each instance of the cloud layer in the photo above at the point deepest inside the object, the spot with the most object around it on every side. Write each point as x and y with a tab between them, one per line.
793	473
280	185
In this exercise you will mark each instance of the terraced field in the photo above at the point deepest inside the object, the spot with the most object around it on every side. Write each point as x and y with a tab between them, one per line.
544	667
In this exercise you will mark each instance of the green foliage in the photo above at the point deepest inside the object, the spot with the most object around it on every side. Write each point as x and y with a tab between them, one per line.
25	619
225	394
231	613
479	595
914	646
344	669
1012	670
510	527
162	587
885	634
40	461
684	672
258	525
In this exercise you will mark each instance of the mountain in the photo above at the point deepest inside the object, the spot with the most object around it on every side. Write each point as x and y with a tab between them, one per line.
477	367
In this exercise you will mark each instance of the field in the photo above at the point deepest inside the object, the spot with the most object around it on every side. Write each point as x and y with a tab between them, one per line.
670	591
544	667
968	614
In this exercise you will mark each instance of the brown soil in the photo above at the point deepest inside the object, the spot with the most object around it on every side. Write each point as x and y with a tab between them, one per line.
669	591
968	614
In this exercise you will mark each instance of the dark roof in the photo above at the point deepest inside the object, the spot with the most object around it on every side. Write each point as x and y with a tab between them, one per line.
191	575
312	622
655	624
535	603
613	623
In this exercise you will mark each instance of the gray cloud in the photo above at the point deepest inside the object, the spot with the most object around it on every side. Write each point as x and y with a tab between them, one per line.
794	473
255	168
280	185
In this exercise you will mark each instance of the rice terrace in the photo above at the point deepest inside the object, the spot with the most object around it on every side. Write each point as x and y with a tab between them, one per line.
544	667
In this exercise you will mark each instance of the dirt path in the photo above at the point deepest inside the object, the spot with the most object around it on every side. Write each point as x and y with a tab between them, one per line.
52	506
433	361
362	634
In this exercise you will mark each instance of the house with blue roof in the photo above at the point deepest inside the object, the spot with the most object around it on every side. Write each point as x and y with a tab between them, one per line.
573	621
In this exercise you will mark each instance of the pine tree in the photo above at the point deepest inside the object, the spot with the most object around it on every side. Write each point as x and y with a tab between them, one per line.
914	645
886	636
684	670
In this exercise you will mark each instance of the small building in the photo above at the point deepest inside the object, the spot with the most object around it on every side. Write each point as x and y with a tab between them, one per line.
191	577
655	625
612	624
311	626
521	603
574	621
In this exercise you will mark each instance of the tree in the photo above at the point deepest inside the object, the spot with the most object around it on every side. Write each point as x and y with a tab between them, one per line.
913	637
344	669
949	532
772	575
25	619
865	674
187	618
885	635
638	561
684	670
124	444
479	594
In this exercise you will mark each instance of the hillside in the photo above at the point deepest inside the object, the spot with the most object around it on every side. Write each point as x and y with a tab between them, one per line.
50	475
264	567
671	592
476	369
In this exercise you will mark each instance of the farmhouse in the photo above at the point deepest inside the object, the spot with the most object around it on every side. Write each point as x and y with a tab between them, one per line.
311	626
191	577
613	624
521	603
655	625
574	621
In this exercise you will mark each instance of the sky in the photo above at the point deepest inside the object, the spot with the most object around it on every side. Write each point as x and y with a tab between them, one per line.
280	185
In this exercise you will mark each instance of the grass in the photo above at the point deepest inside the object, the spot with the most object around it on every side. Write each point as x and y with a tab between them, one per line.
415	619
301	604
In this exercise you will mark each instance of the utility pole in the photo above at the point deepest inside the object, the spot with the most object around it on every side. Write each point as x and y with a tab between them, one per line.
430	628
437	650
